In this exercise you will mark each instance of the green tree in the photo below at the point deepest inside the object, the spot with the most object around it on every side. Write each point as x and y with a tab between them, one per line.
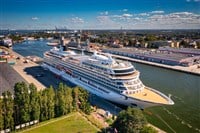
43	98
68	99
21	103
1	115
75	103
8	110
83	99
60	100
63	100
130	121
51	102
34	103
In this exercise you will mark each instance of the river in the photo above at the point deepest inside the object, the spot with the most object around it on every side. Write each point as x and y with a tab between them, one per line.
184	116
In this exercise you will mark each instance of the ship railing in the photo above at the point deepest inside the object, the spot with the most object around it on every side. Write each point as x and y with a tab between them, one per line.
161	94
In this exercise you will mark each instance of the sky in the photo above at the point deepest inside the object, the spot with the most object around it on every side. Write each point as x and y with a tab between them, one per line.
100	14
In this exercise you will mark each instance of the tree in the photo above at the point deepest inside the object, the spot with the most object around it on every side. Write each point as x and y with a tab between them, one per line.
83	99
60	100
68	99
43	105
34	103
1	115
129	121
75	93
47	104
21	103
51	102
8	110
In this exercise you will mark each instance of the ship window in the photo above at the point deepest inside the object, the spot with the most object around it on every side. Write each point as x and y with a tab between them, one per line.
124	71
119	83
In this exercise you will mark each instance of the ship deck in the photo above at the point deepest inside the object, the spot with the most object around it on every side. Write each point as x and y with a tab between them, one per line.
126	76
149	95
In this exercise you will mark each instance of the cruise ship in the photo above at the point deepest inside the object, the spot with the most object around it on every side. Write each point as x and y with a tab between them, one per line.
100	74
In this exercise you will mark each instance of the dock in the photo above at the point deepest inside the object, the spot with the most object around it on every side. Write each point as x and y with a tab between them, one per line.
195	69
191	70
21	65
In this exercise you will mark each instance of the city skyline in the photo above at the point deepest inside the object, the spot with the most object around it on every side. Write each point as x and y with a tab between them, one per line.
110	14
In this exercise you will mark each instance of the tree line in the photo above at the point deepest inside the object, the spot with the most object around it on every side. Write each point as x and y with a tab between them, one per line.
27	104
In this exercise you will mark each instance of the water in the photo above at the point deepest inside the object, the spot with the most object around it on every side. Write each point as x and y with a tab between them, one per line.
184	116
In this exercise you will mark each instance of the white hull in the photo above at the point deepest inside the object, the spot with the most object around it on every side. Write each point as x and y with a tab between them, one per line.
111	96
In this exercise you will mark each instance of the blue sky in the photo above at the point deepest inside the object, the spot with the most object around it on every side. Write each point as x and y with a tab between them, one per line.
100	14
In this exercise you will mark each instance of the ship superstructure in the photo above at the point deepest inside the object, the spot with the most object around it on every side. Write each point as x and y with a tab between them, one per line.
100	74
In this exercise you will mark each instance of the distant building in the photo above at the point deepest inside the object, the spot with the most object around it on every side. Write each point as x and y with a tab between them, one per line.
169	57
193	44
157	44
6	57
6	42
187	51
175	44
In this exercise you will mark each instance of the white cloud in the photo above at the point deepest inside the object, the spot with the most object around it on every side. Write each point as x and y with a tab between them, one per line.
105	22
104	13
157	12
34	18
192	0
76	20
178	19
127	15
125	10
143	14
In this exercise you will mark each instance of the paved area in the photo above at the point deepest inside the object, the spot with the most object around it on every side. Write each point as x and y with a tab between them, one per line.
21	67
8	78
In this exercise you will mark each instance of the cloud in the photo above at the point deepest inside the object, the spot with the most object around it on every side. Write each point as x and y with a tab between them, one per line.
144	14
104	13
77	20
105	22
192	0
178	19
126	15
35	18
125	10
157	12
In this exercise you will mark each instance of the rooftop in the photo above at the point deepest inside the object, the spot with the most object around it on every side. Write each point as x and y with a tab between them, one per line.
153	54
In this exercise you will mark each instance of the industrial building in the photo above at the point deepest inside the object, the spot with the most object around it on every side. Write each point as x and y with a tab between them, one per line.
158	56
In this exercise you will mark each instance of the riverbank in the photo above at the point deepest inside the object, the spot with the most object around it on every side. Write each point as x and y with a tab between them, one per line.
191	70
195	70
20	67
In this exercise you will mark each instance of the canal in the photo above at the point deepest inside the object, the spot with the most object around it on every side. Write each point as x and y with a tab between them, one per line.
184	116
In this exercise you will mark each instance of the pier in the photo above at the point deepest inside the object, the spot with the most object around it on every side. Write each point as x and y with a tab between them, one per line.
195	69
192	69
20	67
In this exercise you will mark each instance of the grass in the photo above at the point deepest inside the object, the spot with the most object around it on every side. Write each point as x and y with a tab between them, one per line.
72	123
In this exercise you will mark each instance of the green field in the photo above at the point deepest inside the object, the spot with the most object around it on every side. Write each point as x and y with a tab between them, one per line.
72	123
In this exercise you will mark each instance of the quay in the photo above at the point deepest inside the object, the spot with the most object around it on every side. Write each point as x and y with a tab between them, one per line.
194	69
21	65
191	69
